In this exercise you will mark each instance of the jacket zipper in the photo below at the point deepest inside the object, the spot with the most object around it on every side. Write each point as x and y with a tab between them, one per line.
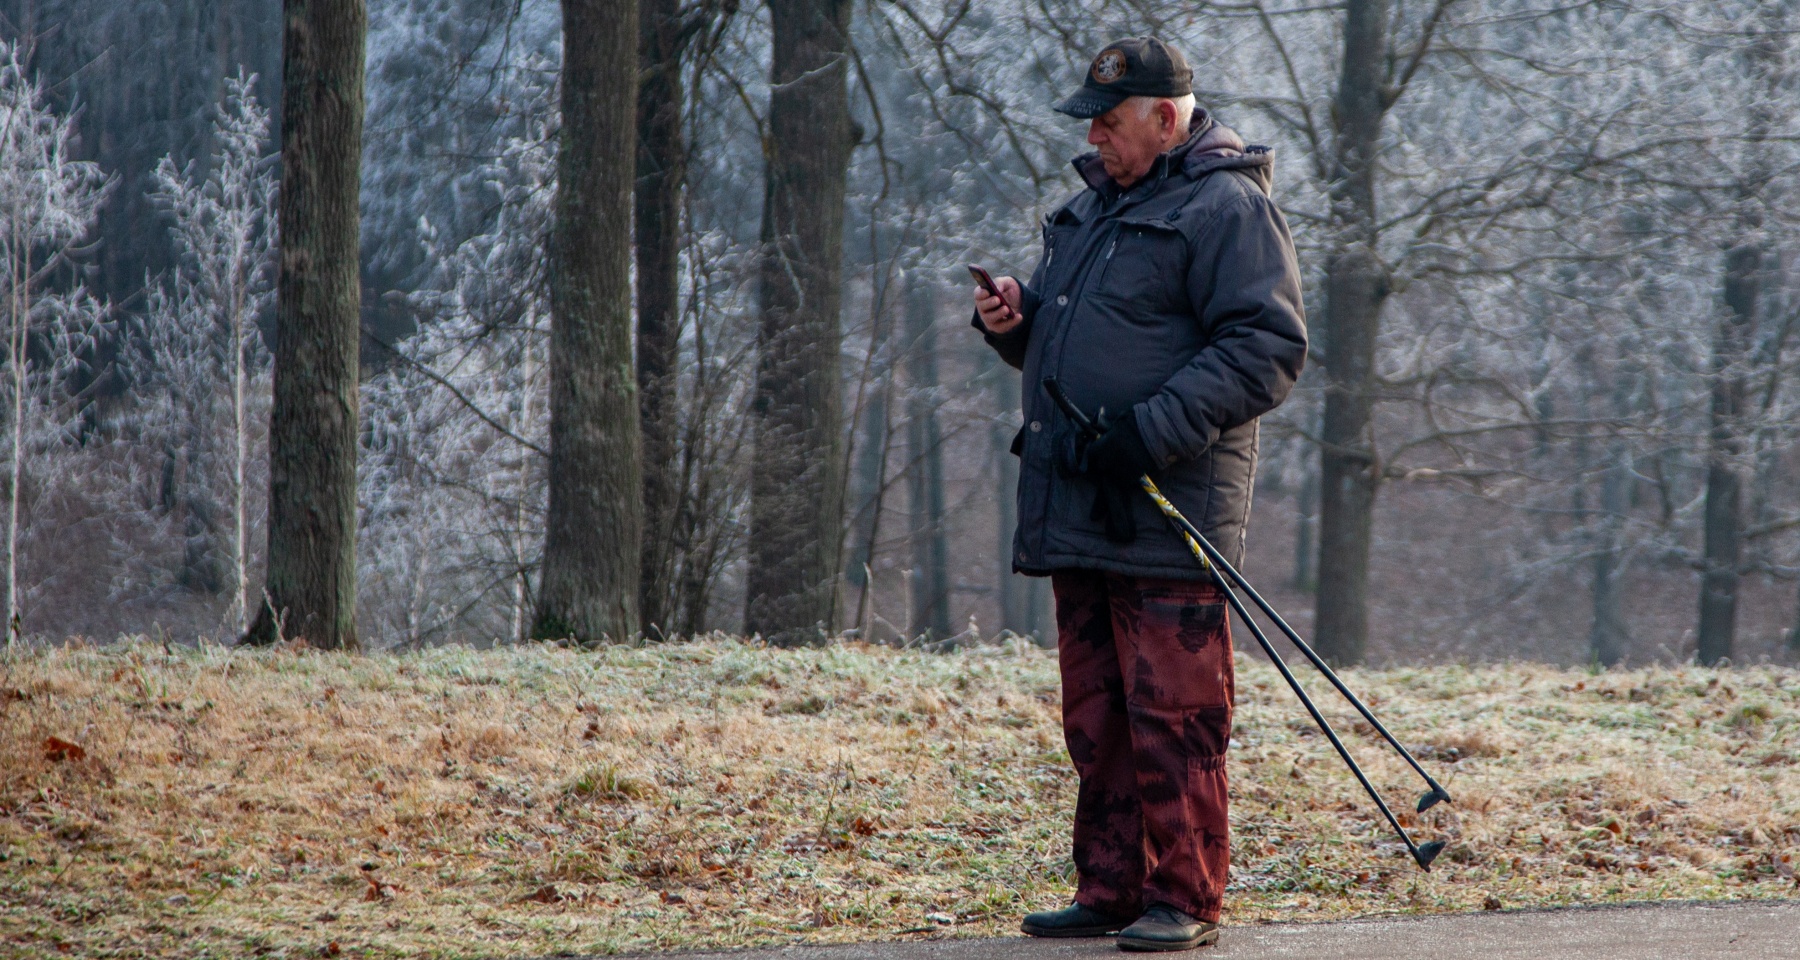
1062	340
1086	278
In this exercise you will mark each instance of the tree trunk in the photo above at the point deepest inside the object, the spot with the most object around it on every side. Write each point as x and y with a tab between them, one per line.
1608	633
1355	288
595	524
796	488
241	323
1793	637
1606	637
1306	531
311	582
925	476
18	337
1733	345
1721	553
661	175
869	474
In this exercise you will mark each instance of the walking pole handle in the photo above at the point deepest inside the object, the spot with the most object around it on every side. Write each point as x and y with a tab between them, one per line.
1082	421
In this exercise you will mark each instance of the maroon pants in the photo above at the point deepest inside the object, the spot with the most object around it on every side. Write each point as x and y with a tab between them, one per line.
1147	692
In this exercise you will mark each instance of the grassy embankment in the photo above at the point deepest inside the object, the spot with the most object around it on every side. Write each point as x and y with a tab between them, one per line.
525	801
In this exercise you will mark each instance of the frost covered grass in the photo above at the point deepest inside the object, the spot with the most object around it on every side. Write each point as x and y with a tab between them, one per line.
524	801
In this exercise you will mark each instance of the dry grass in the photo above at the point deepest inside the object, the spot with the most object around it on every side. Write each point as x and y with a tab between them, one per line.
526	801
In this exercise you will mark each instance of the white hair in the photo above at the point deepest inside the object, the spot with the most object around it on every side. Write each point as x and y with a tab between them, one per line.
1184	106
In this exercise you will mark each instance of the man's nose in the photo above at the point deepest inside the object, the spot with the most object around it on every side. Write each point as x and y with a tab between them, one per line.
1095	137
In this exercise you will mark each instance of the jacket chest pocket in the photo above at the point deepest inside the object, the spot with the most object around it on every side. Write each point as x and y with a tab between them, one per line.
1054	263
1145	264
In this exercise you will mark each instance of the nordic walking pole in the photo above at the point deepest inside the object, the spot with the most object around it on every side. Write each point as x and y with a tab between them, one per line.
1431	797
1212	557
1214	563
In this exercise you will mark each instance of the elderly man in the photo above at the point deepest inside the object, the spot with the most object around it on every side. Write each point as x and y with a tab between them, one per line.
1168	302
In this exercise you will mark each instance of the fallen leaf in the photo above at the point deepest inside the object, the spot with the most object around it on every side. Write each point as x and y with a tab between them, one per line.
378	890
545	894
331	949
56	750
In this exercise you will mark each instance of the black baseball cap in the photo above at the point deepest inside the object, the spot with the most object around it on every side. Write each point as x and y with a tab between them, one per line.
1132	67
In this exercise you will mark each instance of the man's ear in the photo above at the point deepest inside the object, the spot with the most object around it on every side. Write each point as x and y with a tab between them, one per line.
1168	117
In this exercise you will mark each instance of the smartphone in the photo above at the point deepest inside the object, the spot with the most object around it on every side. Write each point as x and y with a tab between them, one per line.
985	279
987	283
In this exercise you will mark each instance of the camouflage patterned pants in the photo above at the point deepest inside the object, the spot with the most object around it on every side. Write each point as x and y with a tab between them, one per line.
1147	693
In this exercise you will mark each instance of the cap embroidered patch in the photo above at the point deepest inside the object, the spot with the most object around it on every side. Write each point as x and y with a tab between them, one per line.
1109	66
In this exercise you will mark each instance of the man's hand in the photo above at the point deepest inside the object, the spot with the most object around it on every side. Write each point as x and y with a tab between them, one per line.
1114	461
1120	455
999	314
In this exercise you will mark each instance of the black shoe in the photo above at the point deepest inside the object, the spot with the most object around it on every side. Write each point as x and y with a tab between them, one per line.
1163	927
1073	920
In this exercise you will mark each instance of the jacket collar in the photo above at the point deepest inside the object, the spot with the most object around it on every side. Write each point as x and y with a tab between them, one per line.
1207	140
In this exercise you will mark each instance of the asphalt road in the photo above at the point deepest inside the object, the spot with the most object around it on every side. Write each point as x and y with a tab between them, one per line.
1681	931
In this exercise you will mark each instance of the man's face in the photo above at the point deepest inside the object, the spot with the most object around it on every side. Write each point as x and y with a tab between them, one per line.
1128	143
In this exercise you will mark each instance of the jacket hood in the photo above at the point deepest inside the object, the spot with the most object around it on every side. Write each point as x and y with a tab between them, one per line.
1210	146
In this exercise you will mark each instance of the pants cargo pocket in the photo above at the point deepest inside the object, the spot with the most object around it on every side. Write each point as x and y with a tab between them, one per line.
1181	646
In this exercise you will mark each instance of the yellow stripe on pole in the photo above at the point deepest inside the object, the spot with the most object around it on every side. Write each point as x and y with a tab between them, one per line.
1169	511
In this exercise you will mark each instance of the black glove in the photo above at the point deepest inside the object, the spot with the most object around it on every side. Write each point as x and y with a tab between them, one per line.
1119	454
1114	462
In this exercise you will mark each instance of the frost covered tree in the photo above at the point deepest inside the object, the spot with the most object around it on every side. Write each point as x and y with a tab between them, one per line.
797	495
448	87
205	364
48	203
452	483
145	76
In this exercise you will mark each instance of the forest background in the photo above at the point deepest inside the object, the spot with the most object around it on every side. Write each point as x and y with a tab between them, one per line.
1548	247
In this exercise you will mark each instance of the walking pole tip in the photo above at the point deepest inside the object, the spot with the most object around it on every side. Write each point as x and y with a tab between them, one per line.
1431	798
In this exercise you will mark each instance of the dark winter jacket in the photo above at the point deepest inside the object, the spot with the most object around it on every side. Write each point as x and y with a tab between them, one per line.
1177	301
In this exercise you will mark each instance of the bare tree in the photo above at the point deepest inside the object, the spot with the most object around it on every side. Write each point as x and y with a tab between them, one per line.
661	172
1747	261
667	31
311	580
1356	286
796	512
930	571
594	531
